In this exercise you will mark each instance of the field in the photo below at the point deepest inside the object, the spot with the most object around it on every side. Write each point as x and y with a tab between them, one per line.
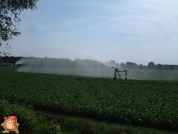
151	103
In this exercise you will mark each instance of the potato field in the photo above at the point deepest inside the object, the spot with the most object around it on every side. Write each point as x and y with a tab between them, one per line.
151	103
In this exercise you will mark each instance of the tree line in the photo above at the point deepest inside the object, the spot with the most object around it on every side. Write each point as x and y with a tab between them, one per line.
52	62
151	65
80	63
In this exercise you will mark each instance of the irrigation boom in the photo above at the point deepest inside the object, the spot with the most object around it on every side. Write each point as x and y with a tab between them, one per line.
116	73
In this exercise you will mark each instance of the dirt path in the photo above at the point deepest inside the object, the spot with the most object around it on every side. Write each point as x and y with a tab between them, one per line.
63	116
51	114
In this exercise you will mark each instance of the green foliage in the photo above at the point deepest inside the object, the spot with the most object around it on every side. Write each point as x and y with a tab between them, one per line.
1	61
131	65
148	102
86	126
44	126
151	65
26	117
29	121
9	16
9	10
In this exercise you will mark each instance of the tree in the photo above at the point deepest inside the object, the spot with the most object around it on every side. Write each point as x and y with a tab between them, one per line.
9	17
1	61
123	66
131	65
151	65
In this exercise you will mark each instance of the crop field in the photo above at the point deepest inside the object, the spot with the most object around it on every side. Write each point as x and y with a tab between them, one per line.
150	103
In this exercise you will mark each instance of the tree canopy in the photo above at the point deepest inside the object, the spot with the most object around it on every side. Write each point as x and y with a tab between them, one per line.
9	17
151	65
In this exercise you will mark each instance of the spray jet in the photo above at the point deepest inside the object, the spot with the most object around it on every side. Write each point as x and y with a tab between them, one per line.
116	71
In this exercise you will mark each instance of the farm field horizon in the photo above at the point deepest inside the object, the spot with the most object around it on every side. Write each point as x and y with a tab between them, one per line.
150	103
137	74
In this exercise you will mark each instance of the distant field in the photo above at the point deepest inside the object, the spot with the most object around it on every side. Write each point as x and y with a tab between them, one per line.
109	73
142	102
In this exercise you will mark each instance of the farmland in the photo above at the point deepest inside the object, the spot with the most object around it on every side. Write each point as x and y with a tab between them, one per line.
138	102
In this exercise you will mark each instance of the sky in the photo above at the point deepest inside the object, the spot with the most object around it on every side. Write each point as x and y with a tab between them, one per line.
138	31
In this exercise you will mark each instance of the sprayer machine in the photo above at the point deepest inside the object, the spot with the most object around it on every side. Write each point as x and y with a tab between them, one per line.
116	73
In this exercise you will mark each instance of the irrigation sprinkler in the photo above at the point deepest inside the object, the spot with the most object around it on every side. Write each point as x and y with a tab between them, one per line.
116	73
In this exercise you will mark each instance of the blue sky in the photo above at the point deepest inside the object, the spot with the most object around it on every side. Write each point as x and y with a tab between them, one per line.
139	31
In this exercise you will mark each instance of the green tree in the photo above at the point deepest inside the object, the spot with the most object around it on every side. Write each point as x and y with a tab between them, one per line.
1	61
151	65
131	65
9	17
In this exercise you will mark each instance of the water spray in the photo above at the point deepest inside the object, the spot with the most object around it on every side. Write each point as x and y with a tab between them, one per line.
64	50
116	72
40	48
